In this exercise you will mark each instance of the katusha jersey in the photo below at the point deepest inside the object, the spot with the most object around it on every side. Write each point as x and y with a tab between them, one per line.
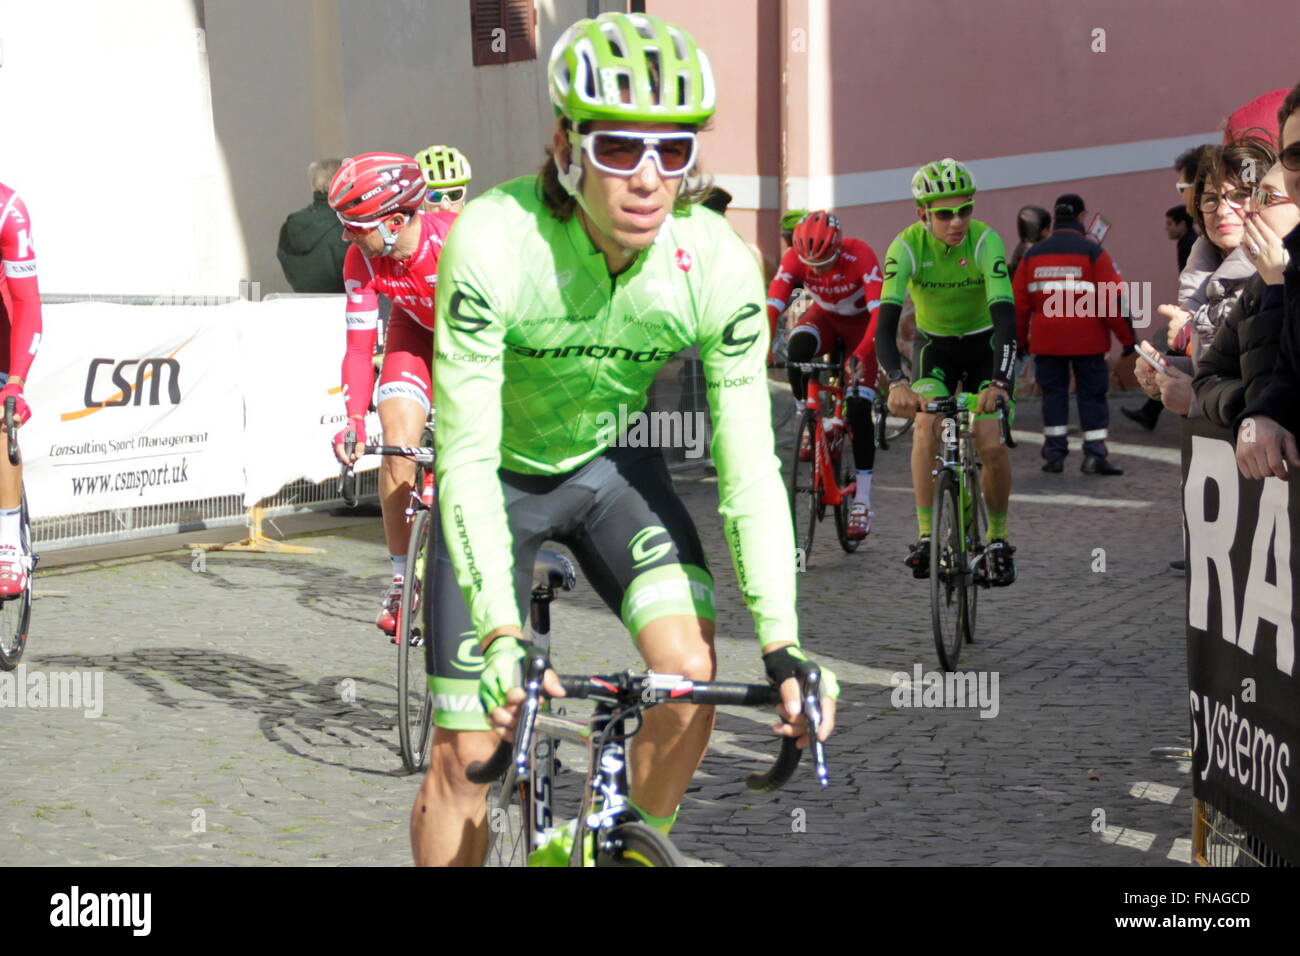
410	284
20	333
952	286
539	352
851	287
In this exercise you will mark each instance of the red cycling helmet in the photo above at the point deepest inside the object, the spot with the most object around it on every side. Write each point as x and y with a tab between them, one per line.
369	187
817	238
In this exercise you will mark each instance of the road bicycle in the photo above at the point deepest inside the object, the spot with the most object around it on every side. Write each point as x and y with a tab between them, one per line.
958	552
16	611
414	701
607	831
829	478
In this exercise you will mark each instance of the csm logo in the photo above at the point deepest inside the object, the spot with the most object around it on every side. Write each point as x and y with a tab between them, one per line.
131	376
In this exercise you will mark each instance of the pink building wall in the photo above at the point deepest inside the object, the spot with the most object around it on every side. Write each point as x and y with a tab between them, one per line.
875	86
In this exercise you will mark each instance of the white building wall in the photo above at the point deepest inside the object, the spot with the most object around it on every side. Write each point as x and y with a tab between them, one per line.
110	102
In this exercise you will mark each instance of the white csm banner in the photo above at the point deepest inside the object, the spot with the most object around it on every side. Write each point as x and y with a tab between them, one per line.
291	368
143	405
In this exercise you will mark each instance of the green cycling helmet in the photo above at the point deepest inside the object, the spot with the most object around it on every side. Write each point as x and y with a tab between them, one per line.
792	219
443	167
630	66
940	180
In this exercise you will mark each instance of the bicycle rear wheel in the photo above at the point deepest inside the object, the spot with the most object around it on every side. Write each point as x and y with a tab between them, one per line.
805	490
414	702
948	590
637	844
16	612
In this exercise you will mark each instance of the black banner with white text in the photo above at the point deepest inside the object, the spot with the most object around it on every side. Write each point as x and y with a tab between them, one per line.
1244	691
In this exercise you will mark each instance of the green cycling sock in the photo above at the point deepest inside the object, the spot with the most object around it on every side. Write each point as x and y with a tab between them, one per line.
997	525
924	520
662	824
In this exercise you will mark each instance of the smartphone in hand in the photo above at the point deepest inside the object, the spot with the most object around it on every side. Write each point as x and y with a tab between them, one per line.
1153	358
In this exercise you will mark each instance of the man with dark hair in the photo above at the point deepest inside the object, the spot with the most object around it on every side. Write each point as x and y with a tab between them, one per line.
1068	207
1180	227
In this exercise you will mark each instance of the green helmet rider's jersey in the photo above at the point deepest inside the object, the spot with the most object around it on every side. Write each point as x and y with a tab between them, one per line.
542	357
952	286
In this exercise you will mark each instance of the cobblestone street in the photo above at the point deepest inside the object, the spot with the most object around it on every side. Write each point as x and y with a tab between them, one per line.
249	702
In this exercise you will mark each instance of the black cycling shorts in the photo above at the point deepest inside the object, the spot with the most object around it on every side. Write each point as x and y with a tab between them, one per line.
631	535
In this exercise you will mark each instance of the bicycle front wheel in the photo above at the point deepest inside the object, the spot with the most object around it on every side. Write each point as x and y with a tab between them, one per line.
805	489
414	703
948	573
846	474
509	843
637	844
976	534
16	612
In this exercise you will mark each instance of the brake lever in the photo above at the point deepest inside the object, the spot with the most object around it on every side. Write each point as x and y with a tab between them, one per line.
11	433
347	479
536	665
812	708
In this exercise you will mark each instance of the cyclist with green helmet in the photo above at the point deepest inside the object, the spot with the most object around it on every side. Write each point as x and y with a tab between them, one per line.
955	268
446	173
788	222
560	297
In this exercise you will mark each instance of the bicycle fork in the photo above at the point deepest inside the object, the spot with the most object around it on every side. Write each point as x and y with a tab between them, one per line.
605	801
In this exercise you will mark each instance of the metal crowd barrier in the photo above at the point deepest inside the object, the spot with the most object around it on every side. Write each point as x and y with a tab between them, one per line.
1218	840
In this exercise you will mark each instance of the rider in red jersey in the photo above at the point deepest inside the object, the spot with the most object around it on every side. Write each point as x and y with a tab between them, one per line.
394	252
20	334
843	276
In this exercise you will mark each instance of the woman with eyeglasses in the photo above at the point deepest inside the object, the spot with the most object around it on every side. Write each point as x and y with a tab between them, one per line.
1217	269
1235	369
1269	449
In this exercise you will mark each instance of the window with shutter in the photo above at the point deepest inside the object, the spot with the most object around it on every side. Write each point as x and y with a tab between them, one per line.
503	31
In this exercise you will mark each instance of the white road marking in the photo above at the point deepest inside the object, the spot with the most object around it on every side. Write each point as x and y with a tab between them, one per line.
1182	850
1158	792
1122	836
1169	456
1084	501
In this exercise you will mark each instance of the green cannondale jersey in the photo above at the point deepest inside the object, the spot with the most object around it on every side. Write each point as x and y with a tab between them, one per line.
952	286
543	360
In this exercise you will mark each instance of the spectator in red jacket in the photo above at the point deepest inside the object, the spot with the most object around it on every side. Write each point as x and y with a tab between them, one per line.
1069	300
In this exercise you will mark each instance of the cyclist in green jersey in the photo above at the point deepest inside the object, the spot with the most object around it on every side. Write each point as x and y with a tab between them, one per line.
955	268
560	296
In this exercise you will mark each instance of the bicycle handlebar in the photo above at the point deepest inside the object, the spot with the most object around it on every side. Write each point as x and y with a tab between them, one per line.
348	479
652	689
948	404
12	433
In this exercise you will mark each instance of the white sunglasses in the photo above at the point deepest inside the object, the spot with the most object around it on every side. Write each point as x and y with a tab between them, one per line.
622	152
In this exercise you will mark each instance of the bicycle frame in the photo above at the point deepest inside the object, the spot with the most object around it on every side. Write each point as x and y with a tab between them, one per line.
831	492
